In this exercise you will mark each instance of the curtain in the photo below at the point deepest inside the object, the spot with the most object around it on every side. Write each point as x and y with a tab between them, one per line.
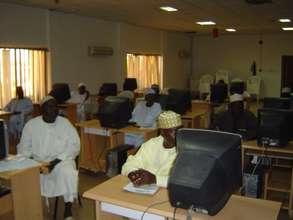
147	69
22	67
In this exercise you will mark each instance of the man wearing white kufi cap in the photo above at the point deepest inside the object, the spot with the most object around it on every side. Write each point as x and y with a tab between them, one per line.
153	161
236	119
53	140
81	98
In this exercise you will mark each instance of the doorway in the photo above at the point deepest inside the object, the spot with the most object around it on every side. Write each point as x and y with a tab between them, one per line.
287	72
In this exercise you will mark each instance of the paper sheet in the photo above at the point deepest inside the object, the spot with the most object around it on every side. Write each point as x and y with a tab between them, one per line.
145	189
17	163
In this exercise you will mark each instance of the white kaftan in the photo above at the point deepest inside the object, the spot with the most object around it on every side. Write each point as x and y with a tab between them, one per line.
153	157
48	141
81	102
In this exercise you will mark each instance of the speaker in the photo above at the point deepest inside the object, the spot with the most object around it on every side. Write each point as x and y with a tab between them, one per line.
116	158
206	171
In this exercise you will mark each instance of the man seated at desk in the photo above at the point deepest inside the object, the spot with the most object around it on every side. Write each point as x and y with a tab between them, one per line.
144	115
52	139
21	107
153	161
81	98
237	120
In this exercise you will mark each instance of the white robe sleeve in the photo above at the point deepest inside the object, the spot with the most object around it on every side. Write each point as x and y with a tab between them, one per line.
25	145
72	142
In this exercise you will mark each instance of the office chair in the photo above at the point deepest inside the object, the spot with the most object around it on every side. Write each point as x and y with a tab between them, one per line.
57	198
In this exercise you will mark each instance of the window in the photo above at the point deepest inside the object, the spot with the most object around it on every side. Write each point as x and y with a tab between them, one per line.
147	69
22	67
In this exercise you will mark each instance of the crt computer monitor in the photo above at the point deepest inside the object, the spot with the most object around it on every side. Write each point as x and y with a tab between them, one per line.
130	84
207	170
115	112
179	101
277	103
219	93
108	89
4	144
274	127
60	92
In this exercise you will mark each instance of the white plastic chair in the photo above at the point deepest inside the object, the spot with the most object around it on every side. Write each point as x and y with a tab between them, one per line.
253	85
224	75
205	82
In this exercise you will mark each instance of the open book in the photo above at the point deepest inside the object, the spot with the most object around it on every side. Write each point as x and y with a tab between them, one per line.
150	189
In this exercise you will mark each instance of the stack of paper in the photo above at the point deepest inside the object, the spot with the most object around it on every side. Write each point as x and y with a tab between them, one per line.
145	189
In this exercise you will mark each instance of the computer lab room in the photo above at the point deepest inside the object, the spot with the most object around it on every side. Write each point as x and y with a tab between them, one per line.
146	110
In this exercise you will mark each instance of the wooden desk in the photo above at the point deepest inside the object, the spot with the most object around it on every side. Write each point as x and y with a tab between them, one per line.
111	197
205	106
96	141
192	119
5	116
25	197
68	108
279	179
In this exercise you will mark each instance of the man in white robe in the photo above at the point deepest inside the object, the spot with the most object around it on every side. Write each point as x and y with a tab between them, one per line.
81	98
52	139
144	115
21	108
153	161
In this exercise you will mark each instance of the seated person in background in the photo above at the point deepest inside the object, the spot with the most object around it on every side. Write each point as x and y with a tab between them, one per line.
156	88
21	108
81	98
153	161
146	112
286	92
52	139
237	120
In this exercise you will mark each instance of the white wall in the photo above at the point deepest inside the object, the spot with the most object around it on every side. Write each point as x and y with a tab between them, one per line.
236	53
68	36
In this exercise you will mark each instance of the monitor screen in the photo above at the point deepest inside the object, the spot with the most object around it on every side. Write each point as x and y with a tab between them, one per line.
274	127
179	101
277	103
115	112
219	93
207	170
60	92
4	144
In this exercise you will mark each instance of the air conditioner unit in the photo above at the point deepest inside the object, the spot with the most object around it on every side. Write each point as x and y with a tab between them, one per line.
96	51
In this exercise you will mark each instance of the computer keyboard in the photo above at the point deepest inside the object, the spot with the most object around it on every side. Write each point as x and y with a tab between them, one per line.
4	190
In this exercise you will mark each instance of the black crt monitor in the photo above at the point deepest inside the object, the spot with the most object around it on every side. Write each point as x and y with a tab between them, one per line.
130	84
179	101
237	87
219	93
108	89
274	127
207	170
4	143
60	92
277	103
115	112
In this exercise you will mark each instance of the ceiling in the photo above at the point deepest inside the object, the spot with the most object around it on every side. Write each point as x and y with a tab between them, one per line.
246	18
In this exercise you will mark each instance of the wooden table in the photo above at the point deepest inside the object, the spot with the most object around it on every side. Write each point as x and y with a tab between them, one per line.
25	197
96	141
279	179
110	197
5	116
192	119
207	107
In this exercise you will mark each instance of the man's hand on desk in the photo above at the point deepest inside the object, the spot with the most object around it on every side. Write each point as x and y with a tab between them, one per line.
47	168
141	177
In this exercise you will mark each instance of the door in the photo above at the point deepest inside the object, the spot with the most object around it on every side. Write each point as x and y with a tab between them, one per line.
287	72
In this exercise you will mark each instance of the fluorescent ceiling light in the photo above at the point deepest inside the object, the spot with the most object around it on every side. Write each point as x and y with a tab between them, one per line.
287	28
206	23
168	8
284	20
230	29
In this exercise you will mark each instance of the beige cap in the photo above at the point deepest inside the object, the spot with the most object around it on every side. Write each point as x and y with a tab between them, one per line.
169	119
236	98
46	99
81	84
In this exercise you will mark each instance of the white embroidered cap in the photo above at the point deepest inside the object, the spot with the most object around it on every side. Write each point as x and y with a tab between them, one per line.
169	119
236	98
46	99
81	84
